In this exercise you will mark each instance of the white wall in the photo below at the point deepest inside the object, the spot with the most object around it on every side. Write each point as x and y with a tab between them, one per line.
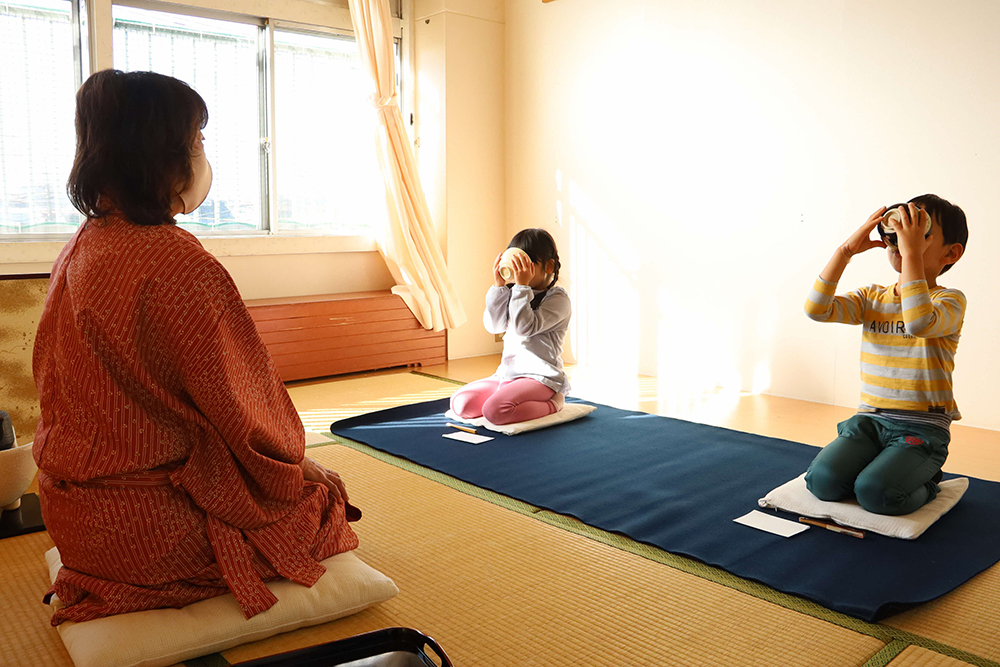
699	162
262	268
459	65
299	275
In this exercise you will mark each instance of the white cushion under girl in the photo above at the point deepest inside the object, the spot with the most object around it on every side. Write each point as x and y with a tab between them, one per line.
569	412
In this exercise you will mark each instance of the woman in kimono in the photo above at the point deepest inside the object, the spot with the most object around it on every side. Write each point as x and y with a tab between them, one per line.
171	459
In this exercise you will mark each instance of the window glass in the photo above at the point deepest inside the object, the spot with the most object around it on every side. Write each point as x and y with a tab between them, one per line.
328	179
219	59
37	139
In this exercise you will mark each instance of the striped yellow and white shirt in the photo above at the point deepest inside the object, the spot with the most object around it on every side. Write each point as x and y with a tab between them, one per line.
908	345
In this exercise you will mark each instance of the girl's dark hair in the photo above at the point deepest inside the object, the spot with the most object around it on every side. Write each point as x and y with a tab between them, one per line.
134	134
954	227
541	247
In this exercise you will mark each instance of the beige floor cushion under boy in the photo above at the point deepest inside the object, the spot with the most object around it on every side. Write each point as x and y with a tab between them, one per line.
793	496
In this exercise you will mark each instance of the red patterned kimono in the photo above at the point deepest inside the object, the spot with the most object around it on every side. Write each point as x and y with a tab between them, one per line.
167	446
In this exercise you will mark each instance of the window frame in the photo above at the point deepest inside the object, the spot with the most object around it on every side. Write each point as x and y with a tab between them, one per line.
93	50
263	111
82	68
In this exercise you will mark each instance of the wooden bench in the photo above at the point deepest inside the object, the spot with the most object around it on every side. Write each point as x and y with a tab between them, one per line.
332	334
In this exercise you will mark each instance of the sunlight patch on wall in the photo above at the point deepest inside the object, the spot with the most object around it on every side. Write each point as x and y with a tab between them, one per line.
429	144
696	360
604	331
761	377
713	126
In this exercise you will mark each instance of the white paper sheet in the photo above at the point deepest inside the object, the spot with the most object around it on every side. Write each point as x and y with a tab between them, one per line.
471	438
771	524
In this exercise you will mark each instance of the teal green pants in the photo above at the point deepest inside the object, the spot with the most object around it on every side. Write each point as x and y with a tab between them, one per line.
887	465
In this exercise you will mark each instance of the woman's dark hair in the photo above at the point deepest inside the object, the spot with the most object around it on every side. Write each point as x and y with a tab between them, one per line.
541	247
951	218
134	134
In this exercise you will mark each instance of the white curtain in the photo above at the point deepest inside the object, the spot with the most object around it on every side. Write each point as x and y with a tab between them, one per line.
408	245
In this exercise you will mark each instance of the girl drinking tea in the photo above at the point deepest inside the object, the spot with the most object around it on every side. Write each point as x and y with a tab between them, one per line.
534	315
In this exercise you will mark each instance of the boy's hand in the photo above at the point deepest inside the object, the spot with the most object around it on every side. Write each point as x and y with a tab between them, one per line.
497	278
910	231
524	269
861	240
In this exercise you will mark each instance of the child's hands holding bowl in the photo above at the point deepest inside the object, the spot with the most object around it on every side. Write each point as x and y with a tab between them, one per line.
511	262
910	228
498	278
524	268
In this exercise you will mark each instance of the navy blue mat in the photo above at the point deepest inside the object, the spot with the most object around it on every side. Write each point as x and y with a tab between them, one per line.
678	485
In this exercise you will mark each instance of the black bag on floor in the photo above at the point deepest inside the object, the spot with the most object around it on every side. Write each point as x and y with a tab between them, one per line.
7	439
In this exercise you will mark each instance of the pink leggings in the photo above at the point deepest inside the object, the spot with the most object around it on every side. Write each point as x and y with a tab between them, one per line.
517	400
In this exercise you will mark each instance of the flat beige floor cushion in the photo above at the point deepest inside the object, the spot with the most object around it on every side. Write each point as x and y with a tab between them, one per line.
569	412
793	496
168	636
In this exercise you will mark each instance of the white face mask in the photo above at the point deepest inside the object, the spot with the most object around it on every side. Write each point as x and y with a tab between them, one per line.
201	181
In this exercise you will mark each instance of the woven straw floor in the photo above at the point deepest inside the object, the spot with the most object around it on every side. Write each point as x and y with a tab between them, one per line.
914	656
498	582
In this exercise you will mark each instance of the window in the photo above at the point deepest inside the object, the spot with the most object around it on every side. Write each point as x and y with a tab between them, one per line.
219	59
290	134
37	139
328	173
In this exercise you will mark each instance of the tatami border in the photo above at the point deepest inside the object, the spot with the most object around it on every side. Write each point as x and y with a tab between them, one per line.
887	654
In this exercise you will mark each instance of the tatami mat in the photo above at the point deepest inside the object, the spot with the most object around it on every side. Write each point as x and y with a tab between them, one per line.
933	624
358	395
26	638
497	587
967	618
914	656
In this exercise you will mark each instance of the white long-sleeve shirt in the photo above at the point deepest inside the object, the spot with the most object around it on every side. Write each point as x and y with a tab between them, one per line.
533	339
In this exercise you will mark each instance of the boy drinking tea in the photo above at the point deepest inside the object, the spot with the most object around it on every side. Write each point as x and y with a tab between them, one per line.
889	455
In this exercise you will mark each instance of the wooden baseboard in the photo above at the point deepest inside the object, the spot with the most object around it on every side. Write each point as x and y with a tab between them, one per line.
332	334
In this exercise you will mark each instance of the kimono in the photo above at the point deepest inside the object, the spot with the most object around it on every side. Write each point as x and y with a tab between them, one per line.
168	449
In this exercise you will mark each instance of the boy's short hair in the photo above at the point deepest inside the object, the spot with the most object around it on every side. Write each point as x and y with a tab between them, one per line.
951	218
134	135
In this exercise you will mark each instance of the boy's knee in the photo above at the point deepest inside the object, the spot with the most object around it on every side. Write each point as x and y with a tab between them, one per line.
823	483
878	497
